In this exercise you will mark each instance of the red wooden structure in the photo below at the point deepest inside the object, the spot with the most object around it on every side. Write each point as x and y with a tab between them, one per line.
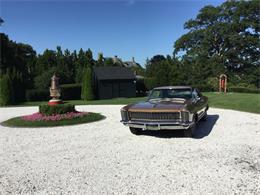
223	83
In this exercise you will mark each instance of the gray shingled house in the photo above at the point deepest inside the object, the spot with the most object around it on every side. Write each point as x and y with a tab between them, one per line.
113	82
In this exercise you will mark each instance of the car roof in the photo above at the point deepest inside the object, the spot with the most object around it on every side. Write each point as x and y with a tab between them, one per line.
174	87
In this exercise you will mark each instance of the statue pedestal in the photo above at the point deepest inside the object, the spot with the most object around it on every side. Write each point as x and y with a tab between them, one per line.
55	102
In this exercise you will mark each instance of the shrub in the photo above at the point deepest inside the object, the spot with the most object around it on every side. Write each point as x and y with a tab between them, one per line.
243	90
56	109
204	87
37	95
6	92
87	92
150	83
213	82
71	91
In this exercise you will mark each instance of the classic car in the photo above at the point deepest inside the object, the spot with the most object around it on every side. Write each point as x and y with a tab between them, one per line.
167	108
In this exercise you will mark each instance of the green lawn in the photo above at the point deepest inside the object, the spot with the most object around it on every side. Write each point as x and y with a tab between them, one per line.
235	101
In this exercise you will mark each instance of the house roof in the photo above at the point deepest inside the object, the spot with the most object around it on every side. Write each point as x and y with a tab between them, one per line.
113	73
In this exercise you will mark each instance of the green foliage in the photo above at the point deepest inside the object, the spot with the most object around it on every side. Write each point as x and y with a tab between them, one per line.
18	122
213	83
243	90
17	61
204	87
108	62
100	60
6	90
87	92
223	39
158	71
71	91
84	60
150	83
37	95
56	109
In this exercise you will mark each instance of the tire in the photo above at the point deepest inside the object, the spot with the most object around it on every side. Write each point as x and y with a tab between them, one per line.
204	118
189	132
135	131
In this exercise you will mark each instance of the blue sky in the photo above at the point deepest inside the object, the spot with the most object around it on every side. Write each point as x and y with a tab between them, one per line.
126	28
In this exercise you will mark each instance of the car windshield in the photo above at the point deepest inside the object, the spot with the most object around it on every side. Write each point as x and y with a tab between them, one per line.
170	93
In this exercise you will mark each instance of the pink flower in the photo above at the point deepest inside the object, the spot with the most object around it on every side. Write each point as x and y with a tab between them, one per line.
40	117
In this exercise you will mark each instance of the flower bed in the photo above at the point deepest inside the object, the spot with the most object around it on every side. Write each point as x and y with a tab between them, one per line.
57	117
40	120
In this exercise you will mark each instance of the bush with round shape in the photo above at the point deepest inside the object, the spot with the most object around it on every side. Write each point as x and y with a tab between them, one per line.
56	109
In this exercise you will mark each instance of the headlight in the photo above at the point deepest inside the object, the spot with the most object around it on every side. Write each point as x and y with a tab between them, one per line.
124	115
185	116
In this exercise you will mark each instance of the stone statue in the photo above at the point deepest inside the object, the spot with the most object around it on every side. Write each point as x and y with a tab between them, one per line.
55	91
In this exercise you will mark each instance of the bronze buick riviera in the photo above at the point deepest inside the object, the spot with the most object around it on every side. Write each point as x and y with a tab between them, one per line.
167	108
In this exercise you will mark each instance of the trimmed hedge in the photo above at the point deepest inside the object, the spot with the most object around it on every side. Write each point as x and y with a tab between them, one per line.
68	92
56	109
243	90
71	91
37	95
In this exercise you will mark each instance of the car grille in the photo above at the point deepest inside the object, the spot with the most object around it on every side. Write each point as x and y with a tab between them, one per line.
154	116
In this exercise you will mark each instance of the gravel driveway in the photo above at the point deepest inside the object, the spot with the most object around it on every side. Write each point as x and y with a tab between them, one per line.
105	158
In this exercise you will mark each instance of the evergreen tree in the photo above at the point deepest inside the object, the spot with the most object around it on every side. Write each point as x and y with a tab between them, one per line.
6	92
86	89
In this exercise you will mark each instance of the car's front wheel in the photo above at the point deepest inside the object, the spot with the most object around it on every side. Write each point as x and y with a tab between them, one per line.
135	131
190	131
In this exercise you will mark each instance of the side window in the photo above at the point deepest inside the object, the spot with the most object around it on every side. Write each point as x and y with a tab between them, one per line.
195	95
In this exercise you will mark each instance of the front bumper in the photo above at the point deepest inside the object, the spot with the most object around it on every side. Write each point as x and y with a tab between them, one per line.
158	125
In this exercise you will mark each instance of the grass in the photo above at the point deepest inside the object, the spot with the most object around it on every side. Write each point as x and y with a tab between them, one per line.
18	122
247	102
236	101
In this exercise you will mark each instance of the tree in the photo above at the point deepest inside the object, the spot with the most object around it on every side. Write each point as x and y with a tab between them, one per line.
100	60
17	61
108	62
86	90
223	38
6	93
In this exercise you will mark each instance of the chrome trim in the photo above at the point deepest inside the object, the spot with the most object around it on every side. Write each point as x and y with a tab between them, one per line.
154	116
145	125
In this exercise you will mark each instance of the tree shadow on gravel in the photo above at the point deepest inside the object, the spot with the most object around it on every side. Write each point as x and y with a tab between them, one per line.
203	129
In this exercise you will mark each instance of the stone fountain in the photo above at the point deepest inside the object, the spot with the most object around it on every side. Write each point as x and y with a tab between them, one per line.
55	91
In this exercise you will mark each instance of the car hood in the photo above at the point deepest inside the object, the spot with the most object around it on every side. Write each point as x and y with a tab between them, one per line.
159	106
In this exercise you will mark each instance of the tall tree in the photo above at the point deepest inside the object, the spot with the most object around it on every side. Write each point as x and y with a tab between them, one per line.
226	36
87	91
